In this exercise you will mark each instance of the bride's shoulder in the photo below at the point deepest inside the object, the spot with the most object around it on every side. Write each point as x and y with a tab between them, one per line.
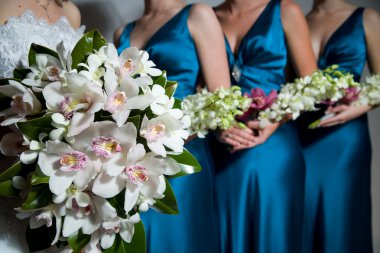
9	8
72	13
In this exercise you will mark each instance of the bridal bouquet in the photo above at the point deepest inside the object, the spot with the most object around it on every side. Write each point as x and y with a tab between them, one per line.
99	135
212	110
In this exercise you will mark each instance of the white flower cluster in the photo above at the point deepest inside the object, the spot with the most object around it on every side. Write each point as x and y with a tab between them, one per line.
323	86
369	92
92	152
212	110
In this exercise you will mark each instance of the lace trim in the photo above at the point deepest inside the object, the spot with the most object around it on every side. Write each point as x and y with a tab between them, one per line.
18	33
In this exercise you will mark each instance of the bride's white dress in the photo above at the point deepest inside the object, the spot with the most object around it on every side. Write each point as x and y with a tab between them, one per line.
16	37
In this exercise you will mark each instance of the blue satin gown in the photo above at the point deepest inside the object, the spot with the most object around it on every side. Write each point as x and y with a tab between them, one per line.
338	160
195	228
260	191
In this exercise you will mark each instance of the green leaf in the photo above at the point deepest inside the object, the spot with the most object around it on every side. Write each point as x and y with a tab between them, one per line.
118	203
160	80
177	104
7	190
38	49
137	245
40	196
135	120
187	163
20	73
38	177
168	204
33	128
12	171
78	241
170	88
40	238
91	41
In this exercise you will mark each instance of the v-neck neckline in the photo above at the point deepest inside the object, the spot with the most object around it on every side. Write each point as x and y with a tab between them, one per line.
147	43
252	27
336	31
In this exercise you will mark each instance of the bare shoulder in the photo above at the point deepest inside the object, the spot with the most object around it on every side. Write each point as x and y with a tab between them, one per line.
201	13
291	10
8	8
72	13
371	19
117	34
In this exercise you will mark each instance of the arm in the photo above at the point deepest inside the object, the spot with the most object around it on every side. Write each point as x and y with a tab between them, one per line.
208	37
117	35
72	13
345	113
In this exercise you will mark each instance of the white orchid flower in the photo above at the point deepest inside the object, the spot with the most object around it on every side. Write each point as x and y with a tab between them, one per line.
124	227
162	103
94	71
44	217
133	62
142	173
65	166
164	130
85	211
48	69
35	147
108	54
62	128
78	101
123	97
23	103
106	143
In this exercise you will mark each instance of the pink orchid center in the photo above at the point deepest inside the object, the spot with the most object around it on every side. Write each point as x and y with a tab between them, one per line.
87	210
53	73
73	161
137	174
18	105
112	230
155	132
105	146
116	102
127	66
67	107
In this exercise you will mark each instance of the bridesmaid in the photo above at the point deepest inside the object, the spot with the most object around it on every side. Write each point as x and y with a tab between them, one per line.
187	42
338	154
260	190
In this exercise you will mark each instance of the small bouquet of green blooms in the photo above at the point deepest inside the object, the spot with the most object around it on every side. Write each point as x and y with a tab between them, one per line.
215	110
101	134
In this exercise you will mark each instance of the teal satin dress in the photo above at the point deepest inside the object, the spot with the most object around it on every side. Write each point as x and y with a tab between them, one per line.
338	160
195	228
260	191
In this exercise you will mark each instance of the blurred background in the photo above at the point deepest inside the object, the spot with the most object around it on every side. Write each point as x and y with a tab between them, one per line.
107	15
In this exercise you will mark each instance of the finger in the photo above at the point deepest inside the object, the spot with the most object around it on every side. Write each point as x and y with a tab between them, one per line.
241	147
243	136
230	141
254	124
331	122
337	109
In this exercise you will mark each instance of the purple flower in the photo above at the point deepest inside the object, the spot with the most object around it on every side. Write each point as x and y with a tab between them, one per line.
260	102
351	95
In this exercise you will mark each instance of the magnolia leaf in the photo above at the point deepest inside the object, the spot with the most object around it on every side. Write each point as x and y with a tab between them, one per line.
135	120
170	88
78	241
177	104
118	203
20	73
14	170
40	238
7	190
137	245
91	41
38	49
33	128
38	177
40	196
168	204
160	80
187	163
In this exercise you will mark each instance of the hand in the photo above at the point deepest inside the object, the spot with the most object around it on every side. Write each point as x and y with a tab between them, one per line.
237	137
261	134
343	114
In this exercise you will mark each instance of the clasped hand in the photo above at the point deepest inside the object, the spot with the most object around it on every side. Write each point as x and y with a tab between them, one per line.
251	136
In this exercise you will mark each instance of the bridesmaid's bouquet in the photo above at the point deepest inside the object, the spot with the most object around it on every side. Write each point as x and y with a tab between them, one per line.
98	135
212	110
